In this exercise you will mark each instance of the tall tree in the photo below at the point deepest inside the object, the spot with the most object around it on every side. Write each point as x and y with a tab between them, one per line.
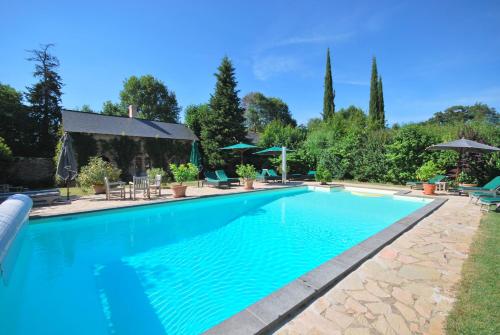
45	98
224	124
261	110
373	111
381	107
329	95
152	97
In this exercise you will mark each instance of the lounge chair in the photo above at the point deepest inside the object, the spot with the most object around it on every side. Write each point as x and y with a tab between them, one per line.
418	185
212	179
221	175
475	196
114	189
39	197
487	202
310	175
272	175
140	184
492	185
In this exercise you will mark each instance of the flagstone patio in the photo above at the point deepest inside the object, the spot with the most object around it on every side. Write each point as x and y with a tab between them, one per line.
407	288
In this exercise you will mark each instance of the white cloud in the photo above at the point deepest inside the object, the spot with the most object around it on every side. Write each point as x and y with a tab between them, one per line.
351	82
266	67
314	39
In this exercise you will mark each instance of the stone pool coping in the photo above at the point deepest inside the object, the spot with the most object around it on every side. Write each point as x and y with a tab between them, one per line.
272	311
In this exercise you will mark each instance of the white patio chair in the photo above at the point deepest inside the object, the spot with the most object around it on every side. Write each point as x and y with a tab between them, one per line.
140	184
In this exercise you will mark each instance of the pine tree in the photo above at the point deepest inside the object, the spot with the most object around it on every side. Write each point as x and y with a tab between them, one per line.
381	107
45	98
329	95
373	112
224	124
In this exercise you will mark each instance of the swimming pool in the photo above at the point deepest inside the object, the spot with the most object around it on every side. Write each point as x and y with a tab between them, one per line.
180	267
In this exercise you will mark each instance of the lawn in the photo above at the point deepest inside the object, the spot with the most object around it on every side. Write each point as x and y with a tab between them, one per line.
477	309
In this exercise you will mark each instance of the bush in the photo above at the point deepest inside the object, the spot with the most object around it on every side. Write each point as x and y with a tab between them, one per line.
94	172
323	175
246	171
184	172
466	178
428	171
5	157
153	172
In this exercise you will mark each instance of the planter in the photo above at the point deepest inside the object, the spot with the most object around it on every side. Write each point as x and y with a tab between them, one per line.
99	189
468	185
429	188
179	191
323	183
248	184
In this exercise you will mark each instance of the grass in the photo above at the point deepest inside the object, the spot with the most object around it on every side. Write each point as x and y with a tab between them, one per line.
75	191
477	309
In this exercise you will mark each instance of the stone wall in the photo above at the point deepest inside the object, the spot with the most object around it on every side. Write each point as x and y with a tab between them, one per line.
31	172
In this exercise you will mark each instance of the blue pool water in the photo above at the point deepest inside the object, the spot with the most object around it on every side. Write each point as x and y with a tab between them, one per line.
178	268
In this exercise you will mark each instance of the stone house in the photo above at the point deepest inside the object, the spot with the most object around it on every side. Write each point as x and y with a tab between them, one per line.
132	144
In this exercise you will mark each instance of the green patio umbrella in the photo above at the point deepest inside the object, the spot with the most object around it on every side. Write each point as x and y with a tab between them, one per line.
239	147
195	157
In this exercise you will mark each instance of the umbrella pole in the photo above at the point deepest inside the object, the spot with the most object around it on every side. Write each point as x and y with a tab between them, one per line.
67	189
241	154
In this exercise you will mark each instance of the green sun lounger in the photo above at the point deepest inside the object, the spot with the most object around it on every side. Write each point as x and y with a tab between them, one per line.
492	185
212	179
482	194
418	184
486	203
273	175
221	175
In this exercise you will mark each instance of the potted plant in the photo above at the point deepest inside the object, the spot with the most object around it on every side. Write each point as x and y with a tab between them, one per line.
153	172
92	174
466	179
248	173
323	175
426	172
182	173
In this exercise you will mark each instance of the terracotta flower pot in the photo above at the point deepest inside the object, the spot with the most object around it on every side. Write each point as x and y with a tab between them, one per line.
99	189
429	188
179	191
248	184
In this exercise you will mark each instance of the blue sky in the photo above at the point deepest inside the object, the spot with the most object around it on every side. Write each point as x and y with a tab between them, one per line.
431	54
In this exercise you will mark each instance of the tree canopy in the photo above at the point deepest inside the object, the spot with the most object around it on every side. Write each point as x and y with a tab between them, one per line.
194	116
376	113
460	113
152	98
261	110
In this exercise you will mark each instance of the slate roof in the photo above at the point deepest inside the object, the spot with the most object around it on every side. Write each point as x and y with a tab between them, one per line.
93	123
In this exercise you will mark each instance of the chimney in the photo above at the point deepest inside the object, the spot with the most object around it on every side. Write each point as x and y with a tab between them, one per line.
132	111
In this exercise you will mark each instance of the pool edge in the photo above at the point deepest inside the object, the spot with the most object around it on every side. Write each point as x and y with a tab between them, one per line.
274	310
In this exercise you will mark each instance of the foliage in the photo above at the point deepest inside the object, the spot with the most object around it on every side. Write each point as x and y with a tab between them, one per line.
381	104
279	134
153	172
163	151
45	97
224	124
323	174
123	150
475	311
428	170
463	114
184	172
112	109
94	172
5	157
152	98
370	163
407	153
466	178
329	94
85	146
194	116
17	127
246	171
261	110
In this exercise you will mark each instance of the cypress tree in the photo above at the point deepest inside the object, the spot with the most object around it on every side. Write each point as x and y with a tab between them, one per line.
224	123
373	111
381	107
329	95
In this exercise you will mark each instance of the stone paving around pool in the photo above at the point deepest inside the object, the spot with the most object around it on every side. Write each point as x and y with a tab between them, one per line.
407	288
